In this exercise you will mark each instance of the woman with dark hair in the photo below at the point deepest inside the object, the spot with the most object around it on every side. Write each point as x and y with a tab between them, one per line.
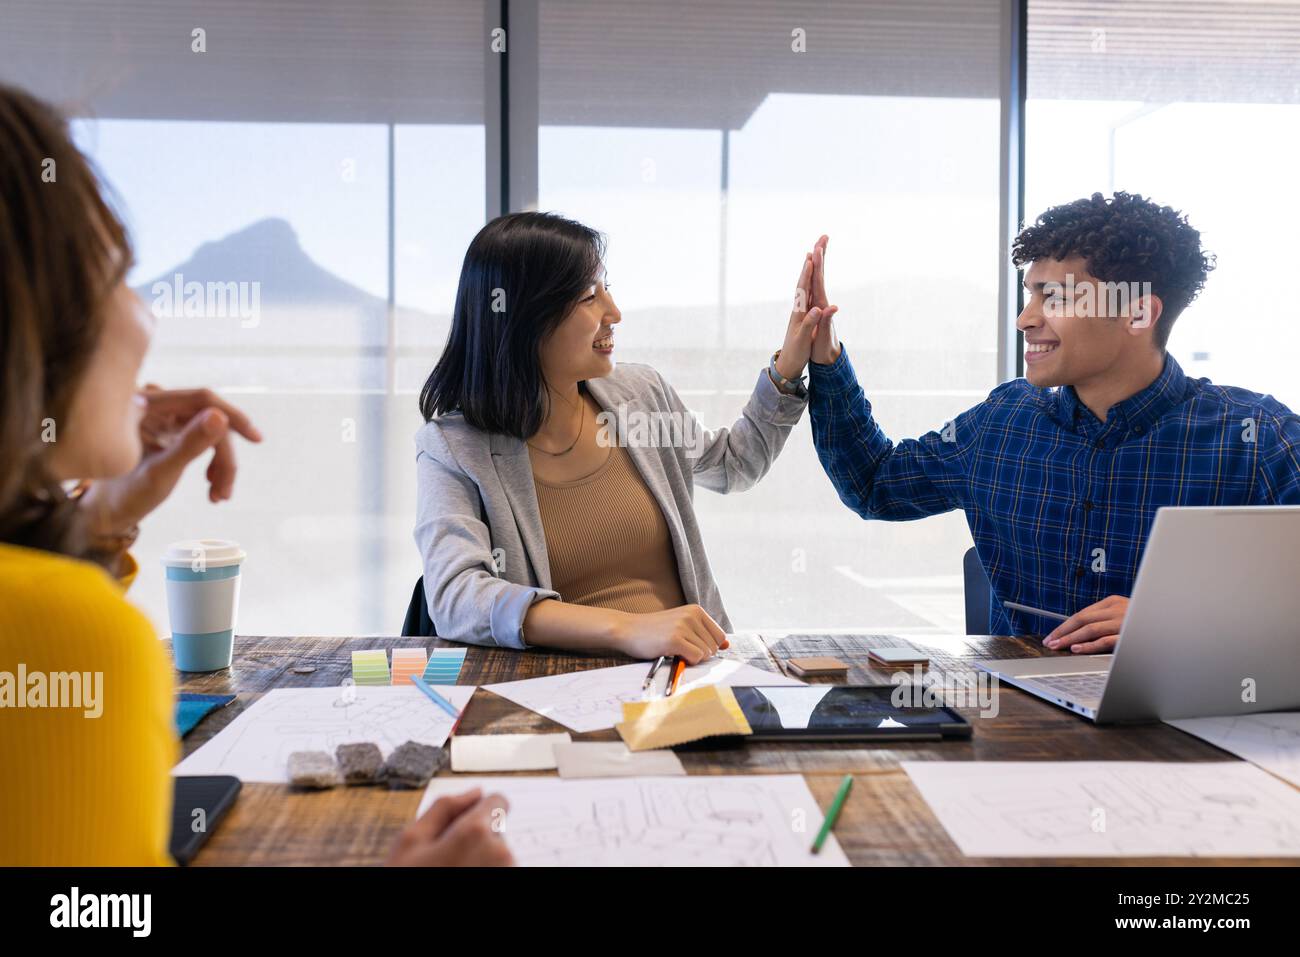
555	489
91	785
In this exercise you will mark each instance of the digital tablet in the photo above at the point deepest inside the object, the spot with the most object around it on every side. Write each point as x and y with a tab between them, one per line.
825	712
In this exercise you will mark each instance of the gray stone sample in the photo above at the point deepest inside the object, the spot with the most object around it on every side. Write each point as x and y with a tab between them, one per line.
411	765
313	770
360	763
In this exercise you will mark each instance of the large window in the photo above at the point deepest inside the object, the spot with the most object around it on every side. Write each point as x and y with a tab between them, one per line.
337	157
328	160
713	154
1198	107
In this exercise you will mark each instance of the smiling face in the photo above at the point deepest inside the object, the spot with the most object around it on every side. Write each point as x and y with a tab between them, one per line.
1076	331
101	437
582	346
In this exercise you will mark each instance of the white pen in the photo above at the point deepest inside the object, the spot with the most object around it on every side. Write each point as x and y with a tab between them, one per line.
1035	611
651	676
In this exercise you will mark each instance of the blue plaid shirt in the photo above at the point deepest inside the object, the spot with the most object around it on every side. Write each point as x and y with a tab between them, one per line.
1060	503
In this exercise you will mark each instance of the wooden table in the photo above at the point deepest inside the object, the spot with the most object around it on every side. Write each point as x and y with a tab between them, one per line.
885	820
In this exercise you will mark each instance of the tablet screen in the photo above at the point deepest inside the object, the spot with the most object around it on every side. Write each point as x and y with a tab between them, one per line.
833	708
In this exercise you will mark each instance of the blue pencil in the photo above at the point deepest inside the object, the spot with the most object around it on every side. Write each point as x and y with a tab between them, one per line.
436	698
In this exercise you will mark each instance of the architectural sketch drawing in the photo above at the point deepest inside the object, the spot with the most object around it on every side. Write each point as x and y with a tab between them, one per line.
1270	740
706	820
1110	808
257	744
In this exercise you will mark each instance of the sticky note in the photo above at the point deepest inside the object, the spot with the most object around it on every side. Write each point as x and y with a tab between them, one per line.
444	666
370	667
505	752
698	713
407	662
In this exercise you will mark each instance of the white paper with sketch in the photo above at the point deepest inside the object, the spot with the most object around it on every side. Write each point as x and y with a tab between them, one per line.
701	820
257	744
1110	808
1270	740
593	700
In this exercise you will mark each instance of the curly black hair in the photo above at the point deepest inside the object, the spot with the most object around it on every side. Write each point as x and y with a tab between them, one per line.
1124	239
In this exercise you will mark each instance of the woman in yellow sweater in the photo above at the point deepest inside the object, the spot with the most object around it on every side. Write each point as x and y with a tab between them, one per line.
86	693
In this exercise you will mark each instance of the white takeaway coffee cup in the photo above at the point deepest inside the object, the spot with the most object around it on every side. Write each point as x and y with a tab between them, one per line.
202	601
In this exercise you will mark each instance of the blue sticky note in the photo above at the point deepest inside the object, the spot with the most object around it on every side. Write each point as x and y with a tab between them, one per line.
191	709
444	666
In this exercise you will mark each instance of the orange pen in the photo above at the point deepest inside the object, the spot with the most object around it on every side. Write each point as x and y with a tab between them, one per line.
679	665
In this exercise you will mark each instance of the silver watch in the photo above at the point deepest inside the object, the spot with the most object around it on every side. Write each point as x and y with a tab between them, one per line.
794	387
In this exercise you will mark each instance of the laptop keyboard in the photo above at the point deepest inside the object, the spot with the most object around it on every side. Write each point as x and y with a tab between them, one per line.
1080	687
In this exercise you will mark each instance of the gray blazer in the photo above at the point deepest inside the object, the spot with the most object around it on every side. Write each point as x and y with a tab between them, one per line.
479	529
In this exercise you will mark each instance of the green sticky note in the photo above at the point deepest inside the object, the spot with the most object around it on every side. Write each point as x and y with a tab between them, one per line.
370	667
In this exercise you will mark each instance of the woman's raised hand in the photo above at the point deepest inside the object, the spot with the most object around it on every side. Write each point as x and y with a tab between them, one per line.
804	320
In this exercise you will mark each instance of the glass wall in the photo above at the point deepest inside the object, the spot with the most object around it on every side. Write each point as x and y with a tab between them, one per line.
326	166
1198	107
328	162
713	143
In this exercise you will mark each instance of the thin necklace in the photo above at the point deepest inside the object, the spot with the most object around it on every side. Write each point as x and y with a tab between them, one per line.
582	420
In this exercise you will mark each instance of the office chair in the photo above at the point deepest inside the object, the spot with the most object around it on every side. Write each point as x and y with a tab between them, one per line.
418	624
979	594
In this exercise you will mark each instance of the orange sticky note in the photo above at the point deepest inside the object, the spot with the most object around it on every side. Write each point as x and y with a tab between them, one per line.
407	662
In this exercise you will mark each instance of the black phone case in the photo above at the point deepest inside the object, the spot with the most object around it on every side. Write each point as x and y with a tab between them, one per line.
213	794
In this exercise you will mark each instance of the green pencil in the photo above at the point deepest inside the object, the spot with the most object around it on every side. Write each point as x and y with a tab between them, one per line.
833	813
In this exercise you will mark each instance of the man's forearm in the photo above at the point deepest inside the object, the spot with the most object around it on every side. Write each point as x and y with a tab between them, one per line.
874	477
849	444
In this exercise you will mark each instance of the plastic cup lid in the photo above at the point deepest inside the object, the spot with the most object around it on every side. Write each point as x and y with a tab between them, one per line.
207	552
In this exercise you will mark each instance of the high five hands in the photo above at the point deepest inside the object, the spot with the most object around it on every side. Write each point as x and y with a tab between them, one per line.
811	332
826	344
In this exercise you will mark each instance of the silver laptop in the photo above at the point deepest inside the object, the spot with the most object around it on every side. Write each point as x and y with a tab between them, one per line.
1213	625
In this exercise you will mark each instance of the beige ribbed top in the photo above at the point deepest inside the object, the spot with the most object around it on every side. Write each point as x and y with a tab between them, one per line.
607	540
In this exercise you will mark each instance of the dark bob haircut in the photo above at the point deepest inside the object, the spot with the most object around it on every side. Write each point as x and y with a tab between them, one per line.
1124	239
522	275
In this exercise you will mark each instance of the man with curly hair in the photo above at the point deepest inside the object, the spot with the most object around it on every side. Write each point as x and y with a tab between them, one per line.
1060	473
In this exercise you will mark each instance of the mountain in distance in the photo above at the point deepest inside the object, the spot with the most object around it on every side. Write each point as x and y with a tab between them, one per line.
294	294
268	252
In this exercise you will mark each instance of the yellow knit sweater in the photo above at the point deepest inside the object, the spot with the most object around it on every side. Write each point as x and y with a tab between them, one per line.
77	789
